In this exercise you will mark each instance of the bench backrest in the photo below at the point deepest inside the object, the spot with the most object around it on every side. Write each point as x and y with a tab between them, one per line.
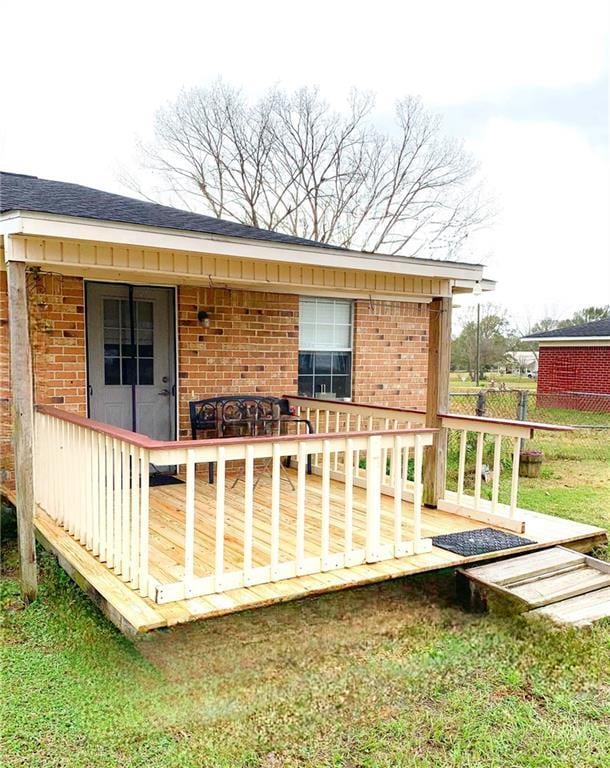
213	413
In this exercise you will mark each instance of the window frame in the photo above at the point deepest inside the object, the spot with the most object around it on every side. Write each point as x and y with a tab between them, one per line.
316	349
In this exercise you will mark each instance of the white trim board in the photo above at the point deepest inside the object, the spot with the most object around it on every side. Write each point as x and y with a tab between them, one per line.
72	228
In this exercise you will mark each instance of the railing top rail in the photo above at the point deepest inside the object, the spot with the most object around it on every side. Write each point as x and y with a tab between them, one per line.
352	404
533	425
142	441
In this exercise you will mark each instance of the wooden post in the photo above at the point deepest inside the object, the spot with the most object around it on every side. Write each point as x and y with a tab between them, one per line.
22	390
437	398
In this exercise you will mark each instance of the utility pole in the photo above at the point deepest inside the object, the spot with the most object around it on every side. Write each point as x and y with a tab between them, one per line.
478	373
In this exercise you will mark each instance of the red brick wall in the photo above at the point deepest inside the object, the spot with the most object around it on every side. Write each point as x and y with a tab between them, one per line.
390	353
250	346
57	329
563	371
57	332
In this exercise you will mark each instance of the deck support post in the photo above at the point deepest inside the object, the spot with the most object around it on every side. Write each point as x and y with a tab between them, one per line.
23	420
437	398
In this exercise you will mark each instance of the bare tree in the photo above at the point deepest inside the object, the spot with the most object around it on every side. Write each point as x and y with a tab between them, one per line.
290	163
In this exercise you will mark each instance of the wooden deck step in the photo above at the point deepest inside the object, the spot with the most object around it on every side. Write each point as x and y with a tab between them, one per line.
559	583
578	611
552	588
536	564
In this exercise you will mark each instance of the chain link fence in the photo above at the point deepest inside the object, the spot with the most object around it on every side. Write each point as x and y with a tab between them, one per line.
588	414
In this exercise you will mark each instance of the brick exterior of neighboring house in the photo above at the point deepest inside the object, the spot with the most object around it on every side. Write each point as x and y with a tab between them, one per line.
251	345
573	376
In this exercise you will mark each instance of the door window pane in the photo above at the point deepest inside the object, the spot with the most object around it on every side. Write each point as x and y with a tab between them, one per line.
126	363
144	314
111	313
128	371
145	371
112	370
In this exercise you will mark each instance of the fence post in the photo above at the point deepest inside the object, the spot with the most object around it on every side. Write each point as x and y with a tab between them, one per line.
522	405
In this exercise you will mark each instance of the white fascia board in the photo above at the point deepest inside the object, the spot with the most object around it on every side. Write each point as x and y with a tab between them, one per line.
72	228
572	340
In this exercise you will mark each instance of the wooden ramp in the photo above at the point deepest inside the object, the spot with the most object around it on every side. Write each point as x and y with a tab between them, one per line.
561	584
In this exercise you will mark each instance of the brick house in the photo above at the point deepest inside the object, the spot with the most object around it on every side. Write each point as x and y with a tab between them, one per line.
574	366
116	314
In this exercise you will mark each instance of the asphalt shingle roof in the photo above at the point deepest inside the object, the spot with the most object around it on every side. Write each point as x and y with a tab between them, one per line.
29	193
597	328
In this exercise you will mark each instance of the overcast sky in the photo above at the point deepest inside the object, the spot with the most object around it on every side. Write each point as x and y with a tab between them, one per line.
524	84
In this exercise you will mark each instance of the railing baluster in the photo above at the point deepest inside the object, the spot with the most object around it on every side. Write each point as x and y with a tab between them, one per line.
189	523
478	469
373	494
109	504
405	467
514	486
461	465
79	467
88	479
384	456
357	453
220	518
144	506
125	503
67	490
349	493
275	510
248	512
117	503
396	453
336	457
418	488
101	492
300	523
495	487
325	534
136	474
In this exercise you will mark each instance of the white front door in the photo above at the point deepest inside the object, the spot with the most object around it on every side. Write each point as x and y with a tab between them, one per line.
130	357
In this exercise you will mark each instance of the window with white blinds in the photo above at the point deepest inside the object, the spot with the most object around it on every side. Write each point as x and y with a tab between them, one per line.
325	347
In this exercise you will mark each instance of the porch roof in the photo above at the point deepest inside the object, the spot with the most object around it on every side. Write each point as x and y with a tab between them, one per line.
45	208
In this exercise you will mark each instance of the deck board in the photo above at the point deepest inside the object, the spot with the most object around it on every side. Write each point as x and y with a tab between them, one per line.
167	549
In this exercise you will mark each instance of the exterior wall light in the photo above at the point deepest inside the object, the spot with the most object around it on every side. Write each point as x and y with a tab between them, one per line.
204	318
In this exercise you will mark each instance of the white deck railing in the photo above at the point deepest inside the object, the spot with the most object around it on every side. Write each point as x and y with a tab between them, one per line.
496	433
338	416
93	480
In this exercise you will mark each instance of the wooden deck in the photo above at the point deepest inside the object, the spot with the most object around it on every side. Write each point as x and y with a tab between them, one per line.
133	613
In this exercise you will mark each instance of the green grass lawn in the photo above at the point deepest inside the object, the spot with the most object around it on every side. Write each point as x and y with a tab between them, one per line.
389	675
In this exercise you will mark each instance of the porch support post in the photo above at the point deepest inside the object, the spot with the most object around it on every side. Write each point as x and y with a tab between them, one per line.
22	394
437	398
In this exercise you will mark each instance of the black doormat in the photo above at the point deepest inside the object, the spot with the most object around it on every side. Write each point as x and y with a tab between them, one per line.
479	542
160	478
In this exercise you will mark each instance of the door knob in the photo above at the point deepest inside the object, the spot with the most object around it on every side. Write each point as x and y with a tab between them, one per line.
164	392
